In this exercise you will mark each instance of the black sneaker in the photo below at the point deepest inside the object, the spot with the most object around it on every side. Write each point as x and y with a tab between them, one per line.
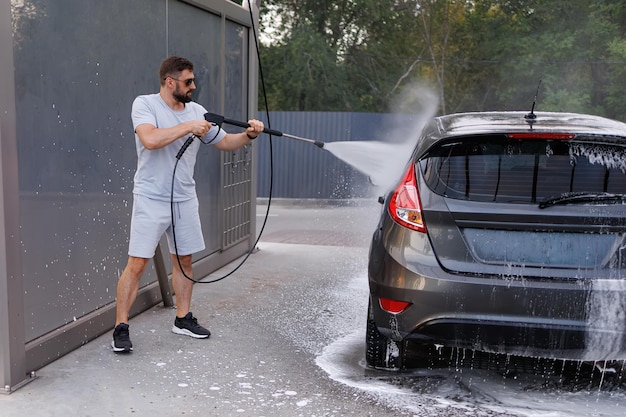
121	339
189	326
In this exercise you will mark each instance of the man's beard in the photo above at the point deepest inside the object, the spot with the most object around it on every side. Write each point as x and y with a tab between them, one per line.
183	98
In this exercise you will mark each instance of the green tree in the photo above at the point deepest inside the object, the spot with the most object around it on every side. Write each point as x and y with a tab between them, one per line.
607	30
303	64
359	55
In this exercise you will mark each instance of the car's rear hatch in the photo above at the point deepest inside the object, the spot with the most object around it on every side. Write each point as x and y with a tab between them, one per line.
544	205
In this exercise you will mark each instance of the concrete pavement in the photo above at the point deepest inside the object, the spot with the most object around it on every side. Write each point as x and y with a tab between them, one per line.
268	321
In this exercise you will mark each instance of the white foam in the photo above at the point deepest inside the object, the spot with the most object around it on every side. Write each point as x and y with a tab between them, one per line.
467	391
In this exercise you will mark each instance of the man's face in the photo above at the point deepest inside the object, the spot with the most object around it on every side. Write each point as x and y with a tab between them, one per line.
185	84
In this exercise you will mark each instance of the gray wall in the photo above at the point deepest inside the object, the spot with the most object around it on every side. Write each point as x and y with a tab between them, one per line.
68	156
302	170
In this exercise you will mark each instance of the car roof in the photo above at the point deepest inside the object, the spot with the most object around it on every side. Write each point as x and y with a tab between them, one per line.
481	123
488	122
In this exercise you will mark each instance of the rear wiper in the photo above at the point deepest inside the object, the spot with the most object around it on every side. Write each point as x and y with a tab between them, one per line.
582	197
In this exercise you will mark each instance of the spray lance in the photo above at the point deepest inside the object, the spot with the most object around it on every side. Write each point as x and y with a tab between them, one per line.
217	120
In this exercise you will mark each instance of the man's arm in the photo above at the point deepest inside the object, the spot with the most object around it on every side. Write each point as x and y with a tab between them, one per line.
233	141
154	138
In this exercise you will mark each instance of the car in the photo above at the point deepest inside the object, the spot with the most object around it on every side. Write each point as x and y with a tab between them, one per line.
506	234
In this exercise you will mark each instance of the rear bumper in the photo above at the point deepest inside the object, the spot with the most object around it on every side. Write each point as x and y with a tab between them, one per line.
531	339
558	318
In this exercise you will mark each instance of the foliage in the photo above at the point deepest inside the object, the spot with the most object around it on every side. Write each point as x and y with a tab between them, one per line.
361	55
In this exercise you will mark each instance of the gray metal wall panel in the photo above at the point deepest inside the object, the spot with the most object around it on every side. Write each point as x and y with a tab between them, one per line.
205	29
76	149
237	166
12	335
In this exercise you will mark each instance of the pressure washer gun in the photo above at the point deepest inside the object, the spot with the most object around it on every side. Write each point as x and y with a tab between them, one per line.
218	120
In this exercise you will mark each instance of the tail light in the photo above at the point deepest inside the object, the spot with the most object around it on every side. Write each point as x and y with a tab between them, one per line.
393	306
404	205
539	135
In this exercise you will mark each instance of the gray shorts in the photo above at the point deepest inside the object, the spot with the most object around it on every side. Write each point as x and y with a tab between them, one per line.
151	218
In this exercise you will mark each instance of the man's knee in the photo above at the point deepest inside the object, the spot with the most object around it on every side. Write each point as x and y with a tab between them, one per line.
136	266
185	261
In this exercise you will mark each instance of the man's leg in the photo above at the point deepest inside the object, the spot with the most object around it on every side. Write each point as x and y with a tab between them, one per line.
185	323
182	286
128	286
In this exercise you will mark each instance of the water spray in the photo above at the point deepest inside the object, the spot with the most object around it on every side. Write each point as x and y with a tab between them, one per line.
217	120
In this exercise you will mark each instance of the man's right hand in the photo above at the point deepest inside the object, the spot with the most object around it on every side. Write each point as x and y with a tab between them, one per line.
199	127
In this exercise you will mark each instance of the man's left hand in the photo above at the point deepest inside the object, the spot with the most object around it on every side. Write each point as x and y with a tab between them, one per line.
255	129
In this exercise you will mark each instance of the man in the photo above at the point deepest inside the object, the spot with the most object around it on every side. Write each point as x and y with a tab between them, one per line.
162	123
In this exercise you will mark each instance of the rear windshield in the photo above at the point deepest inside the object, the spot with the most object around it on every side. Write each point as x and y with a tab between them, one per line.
500	169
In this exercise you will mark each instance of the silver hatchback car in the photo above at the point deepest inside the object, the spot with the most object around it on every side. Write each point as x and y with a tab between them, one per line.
506	234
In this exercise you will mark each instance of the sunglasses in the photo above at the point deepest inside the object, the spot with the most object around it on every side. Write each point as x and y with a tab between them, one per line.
187	82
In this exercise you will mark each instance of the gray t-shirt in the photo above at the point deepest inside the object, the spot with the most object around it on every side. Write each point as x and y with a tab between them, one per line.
153	177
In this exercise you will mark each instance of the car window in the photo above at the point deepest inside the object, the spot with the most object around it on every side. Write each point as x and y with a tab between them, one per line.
501	169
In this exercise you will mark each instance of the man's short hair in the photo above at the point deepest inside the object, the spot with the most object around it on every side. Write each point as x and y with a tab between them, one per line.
172	66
